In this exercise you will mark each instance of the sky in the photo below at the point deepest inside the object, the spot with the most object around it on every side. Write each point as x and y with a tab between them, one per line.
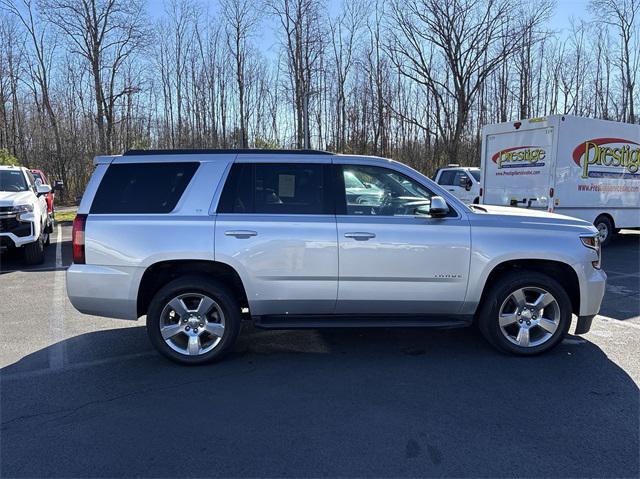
560	21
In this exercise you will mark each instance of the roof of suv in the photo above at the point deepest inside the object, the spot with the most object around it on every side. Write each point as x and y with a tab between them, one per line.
223	151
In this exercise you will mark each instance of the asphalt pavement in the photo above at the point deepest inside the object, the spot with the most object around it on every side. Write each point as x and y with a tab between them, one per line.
84	396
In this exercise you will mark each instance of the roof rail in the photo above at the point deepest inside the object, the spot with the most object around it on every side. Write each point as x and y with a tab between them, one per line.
213	151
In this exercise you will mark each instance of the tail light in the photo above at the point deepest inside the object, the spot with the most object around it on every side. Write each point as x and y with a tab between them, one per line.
77	238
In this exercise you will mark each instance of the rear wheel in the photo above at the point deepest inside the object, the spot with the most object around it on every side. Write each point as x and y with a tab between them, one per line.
525	313
193	320
605	228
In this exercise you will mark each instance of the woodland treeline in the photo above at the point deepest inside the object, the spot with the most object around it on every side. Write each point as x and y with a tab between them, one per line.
410	79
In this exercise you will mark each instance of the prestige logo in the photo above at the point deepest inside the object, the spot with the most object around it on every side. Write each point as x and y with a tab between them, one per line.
520	156
609	153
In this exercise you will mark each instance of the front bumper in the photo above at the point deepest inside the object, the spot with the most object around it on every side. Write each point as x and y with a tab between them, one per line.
14	233
592	289
584	324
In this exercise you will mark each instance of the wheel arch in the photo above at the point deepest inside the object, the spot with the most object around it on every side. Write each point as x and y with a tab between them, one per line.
158	274
562	272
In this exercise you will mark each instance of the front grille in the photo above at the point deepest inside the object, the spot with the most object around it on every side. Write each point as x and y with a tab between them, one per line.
12	225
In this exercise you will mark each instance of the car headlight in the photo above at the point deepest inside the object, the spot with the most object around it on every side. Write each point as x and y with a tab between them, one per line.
22	209
593	242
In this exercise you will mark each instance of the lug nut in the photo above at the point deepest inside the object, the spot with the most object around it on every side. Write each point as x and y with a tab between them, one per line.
520	321
195	330
187	328
201	324
528	323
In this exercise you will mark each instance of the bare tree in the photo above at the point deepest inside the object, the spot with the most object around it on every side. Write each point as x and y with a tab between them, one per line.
451	48
303	41
241	18
622	15
106	33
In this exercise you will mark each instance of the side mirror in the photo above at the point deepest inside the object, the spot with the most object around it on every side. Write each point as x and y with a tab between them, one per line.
438	207
58	185
466	183
42	189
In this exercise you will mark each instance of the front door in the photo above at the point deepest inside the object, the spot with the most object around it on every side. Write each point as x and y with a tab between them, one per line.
276	227
393	260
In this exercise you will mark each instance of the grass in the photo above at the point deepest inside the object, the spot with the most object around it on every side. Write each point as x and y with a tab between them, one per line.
67	215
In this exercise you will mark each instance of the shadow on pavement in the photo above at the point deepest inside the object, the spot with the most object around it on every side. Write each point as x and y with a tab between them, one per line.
12	260
322	403
621	262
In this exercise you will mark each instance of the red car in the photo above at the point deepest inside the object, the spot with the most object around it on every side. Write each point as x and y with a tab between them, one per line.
39	175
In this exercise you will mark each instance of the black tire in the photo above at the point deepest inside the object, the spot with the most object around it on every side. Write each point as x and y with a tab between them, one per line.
603	222
198	285
34	252
489	310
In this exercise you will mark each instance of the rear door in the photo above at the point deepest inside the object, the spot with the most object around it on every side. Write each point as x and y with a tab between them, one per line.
518	167
391	260
276	227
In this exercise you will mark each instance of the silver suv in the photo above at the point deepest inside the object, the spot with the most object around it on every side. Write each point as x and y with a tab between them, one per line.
200	240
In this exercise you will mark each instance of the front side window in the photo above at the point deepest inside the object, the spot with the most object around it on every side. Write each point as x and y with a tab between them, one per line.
461	179
142	188
276	188
13	181
384	192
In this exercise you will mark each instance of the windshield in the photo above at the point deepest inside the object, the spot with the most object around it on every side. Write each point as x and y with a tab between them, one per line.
475	174
12	180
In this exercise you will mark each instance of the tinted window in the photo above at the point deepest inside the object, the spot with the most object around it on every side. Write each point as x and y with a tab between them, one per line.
237	196
276	188
384	192
142	187
447	177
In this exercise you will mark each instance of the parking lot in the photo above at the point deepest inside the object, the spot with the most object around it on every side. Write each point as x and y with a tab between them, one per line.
87	396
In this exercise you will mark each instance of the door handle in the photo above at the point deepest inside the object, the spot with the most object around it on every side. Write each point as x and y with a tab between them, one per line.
451	189
240	233
360	236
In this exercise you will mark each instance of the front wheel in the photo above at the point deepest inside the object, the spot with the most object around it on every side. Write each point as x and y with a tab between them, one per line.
34	252
525	313
605	229
193	320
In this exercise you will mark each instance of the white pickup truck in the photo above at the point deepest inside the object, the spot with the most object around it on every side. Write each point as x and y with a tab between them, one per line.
24	220
463	182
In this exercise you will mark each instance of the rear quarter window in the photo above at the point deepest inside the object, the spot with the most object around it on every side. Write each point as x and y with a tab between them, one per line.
142	188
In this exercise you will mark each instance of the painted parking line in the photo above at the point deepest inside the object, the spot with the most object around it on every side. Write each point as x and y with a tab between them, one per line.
56	319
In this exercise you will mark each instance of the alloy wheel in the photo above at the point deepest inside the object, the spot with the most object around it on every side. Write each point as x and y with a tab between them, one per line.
529	317
192	324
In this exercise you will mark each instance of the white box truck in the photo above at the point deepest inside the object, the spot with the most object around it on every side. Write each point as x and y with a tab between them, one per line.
580	167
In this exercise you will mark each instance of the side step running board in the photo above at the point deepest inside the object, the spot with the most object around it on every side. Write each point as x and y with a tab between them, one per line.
370	321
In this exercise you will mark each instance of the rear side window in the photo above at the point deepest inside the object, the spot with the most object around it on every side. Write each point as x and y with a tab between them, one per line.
141	188
277	188
447	177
